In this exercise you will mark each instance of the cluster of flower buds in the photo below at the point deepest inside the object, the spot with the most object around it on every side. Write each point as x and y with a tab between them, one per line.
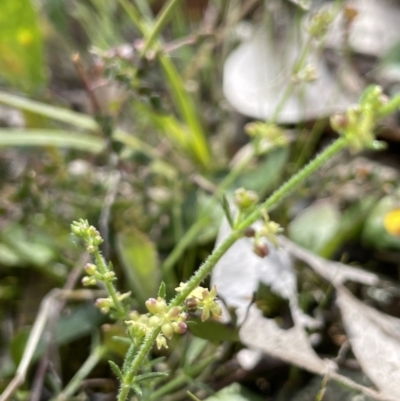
172	319
358	123
319	24
94	275
106	305
308	73
245	200
90	236
265	135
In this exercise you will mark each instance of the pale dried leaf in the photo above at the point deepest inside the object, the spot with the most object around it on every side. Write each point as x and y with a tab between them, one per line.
290	345
373	31
334	272
375	340
258	69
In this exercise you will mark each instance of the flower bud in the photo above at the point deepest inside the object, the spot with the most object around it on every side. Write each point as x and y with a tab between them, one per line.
90	269
179	327
174	312
91	248
161	305
249	232
134	315
260	248
191	303
151	305
245	199
339	122
108	276
167	330
154	321
88	281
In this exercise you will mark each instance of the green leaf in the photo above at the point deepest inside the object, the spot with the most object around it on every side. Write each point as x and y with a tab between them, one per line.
351	224
194	350
21	45
130	355
212	330
86	123
315	226
197	139
227	210
162	291
57	138
80	321
18	343
8	257
28	249
174	130
151	375
136	389
117	371
139	261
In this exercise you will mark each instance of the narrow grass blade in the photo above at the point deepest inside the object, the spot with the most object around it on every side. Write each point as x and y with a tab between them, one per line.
44	137
53	112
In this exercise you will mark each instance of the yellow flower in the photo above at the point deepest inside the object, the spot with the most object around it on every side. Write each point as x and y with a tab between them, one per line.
392	222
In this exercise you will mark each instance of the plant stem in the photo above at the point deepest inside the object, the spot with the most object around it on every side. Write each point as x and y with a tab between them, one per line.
137	363
289	186
206	268
212	260
101	264
272	201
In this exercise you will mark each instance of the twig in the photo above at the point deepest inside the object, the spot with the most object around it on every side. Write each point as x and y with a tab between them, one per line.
85	81
47	305
44	362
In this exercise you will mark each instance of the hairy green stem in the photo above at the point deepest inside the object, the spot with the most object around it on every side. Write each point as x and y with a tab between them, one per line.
272	201
102	266
212	260
289	186
137	363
